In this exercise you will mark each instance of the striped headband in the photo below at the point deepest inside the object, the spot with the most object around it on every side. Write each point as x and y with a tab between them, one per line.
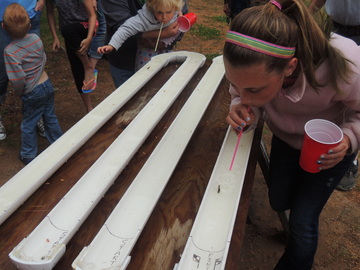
259	45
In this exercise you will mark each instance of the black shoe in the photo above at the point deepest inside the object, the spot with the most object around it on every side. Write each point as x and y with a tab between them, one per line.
2	131
26	161
349	180
40	128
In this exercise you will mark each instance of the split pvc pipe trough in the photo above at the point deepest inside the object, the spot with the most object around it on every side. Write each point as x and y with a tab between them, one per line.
209	240
127	220
14	192
112	247
46	244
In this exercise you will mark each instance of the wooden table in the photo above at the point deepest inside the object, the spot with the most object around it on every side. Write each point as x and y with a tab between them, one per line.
165	234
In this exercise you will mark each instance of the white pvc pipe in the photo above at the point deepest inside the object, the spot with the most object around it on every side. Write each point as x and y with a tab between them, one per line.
208	244
111	247
19	188
47	242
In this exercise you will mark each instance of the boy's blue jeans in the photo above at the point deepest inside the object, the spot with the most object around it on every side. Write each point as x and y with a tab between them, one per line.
36	104
305	194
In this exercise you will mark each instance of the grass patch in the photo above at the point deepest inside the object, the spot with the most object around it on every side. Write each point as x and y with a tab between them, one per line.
221	19
207	33
211	56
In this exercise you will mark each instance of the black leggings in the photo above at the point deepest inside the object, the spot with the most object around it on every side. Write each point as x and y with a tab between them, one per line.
73	35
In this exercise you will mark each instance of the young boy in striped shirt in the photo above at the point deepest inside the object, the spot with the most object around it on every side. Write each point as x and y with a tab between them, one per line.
25	62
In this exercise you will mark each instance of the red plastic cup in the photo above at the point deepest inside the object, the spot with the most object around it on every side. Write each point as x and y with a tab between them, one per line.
320	136
186	21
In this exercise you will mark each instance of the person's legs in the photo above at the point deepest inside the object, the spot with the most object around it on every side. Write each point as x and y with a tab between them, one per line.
78	74
305	196
4	41
40	128
2	130
35	24
99	38
79	30
73	34
144	55
120	75
35	29
88	71
85	97
348	182
283	172
33	109
93	56
51	123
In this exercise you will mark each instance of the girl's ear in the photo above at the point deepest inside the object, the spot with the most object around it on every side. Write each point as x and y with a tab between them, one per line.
291	66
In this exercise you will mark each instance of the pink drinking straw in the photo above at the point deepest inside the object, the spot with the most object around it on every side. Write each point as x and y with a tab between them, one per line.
236	146
235	150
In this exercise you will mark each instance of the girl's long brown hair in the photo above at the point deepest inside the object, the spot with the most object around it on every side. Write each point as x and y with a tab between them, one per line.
292	26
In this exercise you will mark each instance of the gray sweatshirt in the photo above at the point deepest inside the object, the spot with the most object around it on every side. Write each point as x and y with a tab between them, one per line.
144	21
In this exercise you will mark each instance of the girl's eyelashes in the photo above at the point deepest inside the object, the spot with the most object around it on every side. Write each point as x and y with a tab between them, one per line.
251	90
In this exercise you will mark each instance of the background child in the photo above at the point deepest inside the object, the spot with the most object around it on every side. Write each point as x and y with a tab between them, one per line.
234	7
25	62
34	9
155	14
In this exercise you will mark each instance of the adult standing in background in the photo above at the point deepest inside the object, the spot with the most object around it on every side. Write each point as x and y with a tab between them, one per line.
122	62
345	17
34	9
234	7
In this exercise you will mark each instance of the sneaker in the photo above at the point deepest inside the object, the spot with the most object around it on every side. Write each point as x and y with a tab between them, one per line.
2	131
26	161
40	128
349	180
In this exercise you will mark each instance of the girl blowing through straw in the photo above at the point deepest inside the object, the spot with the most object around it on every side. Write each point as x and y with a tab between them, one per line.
282	65
154	15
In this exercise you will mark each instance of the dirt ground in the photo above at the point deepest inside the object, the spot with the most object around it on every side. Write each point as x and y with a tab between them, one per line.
339	242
